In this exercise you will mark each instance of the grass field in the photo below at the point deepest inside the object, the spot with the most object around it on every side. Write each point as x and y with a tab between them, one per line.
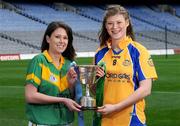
162	106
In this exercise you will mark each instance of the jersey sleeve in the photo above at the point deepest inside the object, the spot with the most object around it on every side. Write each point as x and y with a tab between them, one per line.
146	67
100	52
34	71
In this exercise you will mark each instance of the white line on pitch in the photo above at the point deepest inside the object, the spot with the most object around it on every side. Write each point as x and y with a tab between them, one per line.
165	92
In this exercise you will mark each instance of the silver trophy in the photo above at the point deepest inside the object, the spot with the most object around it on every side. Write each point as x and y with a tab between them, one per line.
87	77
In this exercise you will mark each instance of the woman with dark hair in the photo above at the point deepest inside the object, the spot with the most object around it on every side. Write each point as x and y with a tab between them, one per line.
127	74
50	80
69	52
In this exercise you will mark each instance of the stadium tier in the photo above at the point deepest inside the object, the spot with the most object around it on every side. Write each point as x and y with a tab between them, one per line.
27	22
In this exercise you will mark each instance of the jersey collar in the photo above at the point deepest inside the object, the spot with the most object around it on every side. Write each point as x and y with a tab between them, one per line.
122	44
49	59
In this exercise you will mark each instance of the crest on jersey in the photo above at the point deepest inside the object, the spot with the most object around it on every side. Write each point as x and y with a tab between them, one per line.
52	78
150	62
126	62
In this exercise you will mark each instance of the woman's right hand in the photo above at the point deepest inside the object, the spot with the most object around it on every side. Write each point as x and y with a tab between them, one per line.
72	105
99	71
107	109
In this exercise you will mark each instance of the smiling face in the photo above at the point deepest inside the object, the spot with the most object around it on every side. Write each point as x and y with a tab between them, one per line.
58	41
116	26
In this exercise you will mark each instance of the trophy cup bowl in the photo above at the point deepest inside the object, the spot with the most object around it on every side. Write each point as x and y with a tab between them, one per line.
87	74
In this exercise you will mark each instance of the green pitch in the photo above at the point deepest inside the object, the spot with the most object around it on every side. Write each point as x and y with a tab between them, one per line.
162	106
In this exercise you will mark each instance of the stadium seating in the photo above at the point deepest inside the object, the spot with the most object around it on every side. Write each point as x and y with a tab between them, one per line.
48	14
177	8
14	22
161	19
30	20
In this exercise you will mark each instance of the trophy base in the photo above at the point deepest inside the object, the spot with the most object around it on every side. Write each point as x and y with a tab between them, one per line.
88	103
83	108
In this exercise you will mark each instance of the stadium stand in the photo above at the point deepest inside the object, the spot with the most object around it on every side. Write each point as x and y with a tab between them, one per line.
160	19
48	14
177	8
11	45
14	22
27	22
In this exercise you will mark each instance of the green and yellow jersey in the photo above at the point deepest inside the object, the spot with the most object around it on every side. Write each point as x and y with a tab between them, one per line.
124	70
51	81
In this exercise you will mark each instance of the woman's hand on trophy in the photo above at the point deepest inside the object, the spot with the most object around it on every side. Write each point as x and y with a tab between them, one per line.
71	76
72	105
100	71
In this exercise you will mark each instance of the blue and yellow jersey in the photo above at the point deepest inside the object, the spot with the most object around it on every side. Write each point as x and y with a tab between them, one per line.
124	70
52	81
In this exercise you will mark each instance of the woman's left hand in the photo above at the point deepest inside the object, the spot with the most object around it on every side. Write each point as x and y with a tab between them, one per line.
106	109
71	76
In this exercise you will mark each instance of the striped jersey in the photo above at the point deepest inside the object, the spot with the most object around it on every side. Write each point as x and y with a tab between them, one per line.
124	70
52	81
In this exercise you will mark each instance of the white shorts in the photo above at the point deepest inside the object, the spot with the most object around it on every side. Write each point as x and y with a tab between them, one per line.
32	124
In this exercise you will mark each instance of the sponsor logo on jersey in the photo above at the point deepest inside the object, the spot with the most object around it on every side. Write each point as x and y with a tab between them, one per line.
120	76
